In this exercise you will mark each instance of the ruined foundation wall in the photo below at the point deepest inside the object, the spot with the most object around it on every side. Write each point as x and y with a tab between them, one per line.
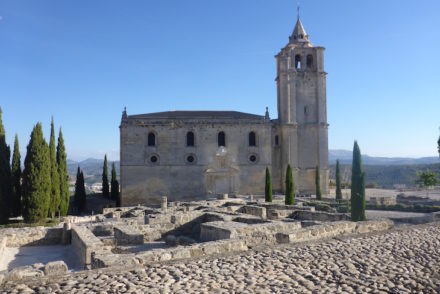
84	243
32	236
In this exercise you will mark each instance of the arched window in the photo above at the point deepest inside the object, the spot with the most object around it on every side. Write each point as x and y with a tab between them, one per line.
276	140
221	139
298	61
309	61
151	139
190	139
252	139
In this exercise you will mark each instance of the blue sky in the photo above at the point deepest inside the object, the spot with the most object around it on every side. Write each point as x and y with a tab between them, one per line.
82	61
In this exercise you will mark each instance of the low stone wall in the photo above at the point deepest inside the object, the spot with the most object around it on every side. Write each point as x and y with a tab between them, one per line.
197	250
334	229
102	260
253	210
102	229
320	216
81	219
252	233
127	235
32	236
152	219
181	218
38	270
119	209
154	232
84	243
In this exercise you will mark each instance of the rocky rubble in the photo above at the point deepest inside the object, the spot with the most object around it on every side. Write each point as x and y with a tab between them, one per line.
402	260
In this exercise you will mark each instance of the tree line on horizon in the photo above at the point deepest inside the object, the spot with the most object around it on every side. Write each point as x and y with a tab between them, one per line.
41	189
357	198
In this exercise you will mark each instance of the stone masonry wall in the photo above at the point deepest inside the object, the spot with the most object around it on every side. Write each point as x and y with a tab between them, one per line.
32	236
127	235
333	230
84	243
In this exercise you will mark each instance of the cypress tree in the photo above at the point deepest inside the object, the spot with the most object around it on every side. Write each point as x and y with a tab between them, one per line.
54	174
105	185
36	178
5	175
357	186
16	178
290	187
338	182
318	184
63	175
114	184
77	195
438	146
268	186
82	198
80	192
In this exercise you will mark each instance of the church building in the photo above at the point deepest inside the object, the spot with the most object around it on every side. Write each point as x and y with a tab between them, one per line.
191	155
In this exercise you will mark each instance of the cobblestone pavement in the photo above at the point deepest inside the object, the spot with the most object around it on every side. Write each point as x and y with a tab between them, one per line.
403	260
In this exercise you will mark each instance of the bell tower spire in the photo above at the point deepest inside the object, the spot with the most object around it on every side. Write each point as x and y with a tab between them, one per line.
299	36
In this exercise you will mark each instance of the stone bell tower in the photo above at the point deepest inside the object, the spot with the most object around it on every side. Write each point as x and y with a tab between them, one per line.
302	111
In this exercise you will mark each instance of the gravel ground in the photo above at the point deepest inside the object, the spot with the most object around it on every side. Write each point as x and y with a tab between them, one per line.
403	260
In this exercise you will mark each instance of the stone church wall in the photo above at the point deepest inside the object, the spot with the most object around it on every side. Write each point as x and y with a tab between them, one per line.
213	171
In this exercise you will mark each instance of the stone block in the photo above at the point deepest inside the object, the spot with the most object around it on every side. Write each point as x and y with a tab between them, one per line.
254	210
146	257
223	196
55	268
23	272
320	216
164	203
435	216
214	231
66	237
127	235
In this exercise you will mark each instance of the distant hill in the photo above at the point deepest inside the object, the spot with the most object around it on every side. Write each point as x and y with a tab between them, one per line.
386	176
345	157
92	169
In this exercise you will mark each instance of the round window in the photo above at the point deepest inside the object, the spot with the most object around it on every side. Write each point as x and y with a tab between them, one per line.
153	159
190	158
253	158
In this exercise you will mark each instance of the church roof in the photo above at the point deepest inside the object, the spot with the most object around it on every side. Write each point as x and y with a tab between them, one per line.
299	34
188	114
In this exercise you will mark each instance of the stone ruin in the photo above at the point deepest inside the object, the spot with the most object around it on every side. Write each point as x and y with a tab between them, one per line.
129	236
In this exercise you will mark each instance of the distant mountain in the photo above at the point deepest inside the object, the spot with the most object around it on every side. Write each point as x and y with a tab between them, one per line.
345	157
387	176
92	169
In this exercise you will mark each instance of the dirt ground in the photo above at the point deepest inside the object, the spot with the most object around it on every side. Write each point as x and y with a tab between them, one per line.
15	257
